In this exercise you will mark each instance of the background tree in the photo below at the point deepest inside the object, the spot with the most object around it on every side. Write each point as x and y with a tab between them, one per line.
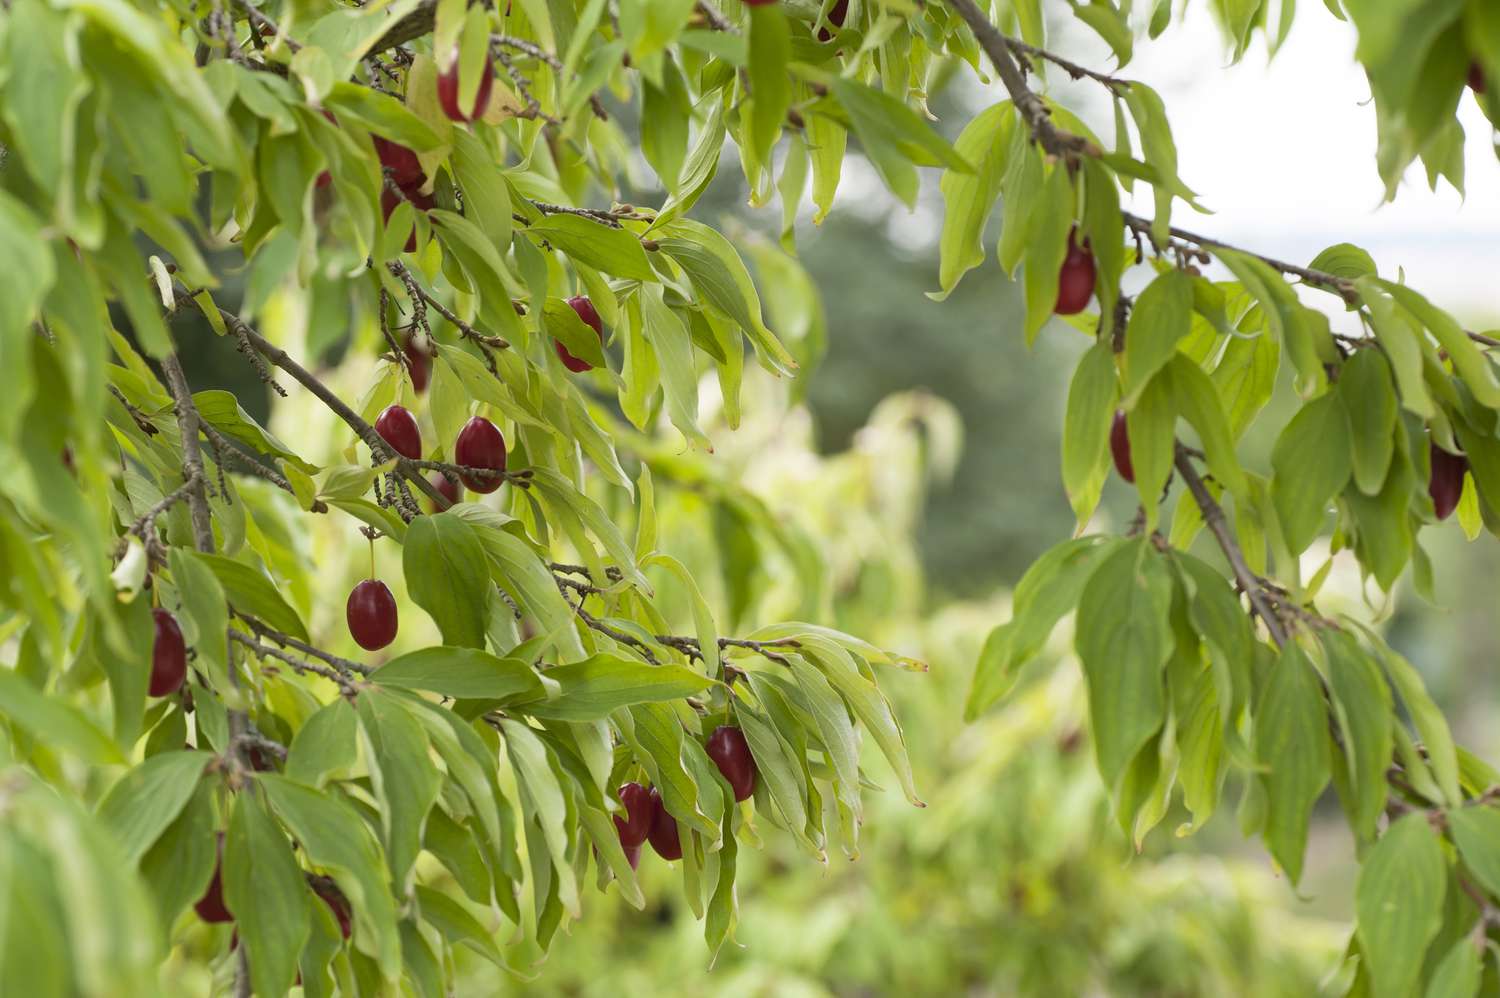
366	183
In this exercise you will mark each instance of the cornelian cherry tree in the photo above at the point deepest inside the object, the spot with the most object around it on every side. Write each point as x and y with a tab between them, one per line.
437	183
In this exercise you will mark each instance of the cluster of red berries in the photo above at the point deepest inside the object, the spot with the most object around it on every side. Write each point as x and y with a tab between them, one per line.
646	817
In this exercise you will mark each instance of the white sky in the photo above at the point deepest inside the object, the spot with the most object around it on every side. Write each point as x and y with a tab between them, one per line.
1284	153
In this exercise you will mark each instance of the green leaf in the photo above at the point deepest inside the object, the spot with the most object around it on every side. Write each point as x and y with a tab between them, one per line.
1151	426
1344	260
1311	462
778	772
593	689
464	673
1458	974
594	244
405	781
325	746
335	839
1124	639
1049	590
673	347
770	84
252	593
1362	704
720	279
382	114
527	580
1291	742
457	925
1200	404
1437	740
1369	394
178	867
1092	397
1468	360
447	574
1050	221
1110	24
1399	337
655	733
53	722
969	197
542	792
206	616
223	411
144	801
486	195
26	272
1400	904
894	137
1476	830
265	889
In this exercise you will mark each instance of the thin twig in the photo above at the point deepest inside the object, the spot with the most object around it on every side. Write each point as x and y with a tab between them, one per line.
1218	525
343	665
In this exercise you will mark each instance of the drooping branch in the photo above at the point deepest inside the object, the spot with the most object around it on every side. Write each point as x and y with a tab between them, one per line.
373	440
1218	525
1033	109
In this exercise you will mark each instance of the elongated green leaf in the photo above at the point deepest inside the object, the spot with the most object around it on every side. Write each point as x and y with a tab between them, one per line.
1364	711
265	889
1159	319
1312	463
1124	639
54	722
335	839
468	673
1476	829
405	781
969	198
1400	903
1291	742
1091	406
325	746
447	575
1049	590
594	244
249	591
594	688
144	801
540	787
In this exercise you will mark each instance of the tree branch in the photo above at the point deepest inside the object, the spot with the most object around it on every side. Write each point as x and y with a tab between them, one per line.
373	440
1033	109
1218	525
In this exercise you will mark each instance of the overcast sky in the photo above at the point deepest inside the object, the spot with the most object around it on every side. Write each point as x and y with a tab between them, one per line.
1284	153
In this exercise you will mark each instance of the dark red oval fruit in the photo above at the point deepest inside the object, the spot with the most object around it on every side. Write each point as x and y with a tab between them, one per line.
590	316
447	88
371	613
1447	481
731	753
836	16
663	835
639	813
210	907
419	362
398	427
325	888
1075	281
480	445
633	855
447	488
168	655
1119	447
1476	78
406	169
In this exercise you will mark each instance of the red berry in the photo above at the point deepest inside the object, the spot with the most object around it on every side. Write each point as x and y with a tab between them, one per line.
639	812
210	907
1447	481
168	655
663	835
325	888
398	427
1119	447
1075	281
480	445
449	489
731	753
324	179
633	854
836	16
406	169
420	363
590	316
447	87
1477	81
371	613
